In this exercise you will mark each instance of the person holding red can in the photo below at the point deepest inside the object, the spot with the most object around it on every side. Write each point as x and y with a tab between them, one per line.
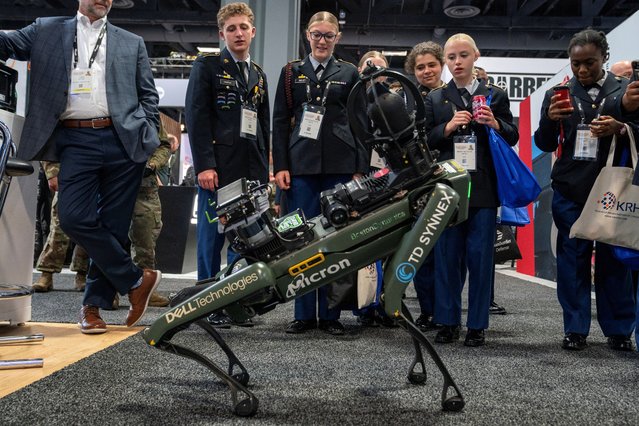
459	134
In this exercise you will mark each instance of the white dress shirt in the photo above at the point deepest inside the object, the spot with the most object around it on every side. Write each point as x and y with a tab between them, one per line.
79	107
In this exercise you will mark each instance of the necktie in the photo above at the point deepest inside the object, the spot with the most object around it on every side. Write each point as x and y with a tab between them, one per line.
319	70
465	95
243	70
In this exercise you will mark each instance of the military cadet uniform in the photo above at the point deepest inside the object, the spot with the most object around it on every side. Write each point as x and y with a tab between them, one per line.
572	180
54	253
315	164
469	244
424	279
215	97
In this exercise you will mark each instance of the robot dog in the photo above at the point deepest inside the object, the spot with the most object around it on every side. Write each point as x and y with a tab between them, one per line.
396	214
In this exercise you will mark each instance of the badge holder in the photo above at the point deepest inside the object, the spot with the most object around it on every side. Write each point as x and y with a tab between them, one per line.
586	145
312	118
466	151
248	123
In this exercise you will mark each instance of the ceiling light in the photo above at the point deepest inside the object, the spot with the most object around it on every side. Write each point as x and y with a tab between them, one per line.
202	49
460	9
123	4
394	52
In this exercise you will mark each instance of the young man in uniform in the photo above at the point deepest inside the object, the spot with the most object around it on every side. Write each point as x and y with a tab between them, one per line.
227	117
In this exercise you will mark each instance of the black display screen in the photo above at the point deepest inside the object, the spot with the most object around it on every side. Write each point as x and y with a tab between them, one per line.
8	79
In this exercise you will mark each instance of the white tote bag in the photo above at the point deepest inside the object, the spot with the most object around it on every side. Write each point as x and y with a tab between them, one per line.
611	214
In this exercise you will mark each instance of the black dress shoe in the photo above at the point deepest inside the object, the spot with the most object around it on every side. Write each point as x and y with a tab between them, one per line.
220	320
448	334
386	321
299	326
574	342
332	327
496	309
367	320
620	343
425	323
475	337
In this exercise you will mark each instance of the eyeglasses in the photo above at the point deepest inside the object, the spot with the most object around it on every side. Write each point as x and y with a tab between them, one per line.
317	36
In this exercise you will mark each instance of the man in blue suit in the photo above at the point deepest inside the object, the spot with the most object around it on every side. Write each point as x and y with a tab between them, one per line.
93	108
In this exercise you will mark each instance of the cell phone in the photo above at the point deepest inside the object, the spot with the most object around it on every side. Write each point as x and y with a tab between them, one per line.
563	92
635	70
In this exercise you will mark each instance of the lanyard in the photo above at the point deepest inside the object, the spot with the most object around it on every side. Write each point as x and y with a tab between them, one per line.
581	109
95	48
324	95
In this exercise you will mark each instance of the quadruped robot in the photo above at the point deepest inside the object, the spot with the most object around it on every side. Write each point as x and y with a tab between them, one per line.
395	214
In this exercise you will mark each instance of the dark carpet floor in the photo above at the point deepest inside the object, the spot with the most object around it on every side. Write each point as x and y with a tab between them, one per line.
521	377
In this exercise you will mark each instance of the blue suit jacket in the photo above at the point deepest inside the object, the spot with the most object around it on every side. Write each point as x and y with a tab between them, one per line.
131	93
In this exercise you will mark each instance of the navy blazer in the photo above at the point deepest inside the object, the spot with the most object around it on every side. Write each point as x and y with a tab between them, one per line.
131	94
213	113
336	151
575	178
440	105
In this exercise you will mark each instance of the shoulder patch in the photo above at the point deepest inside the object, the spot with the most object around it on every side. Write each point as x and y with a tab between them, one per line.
259	68
346	62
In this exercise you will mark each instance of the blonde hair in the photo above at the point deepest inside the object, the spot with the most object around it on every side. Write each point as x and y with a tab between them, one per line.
371	54
234	9
323	17
461	37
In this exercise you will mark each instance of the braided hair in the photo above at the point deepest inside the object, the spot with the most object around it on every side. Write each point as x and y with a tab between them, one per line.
590	36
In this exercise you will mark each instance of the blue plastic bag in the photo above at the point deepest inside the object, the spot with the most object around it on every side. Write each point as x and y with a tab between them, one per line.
516	184
514	217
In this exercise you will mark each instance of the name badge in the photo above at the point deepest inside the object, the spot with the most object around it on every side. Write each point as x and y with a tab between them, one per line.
312	121
466	151
248	125
82	82
586	145
377	161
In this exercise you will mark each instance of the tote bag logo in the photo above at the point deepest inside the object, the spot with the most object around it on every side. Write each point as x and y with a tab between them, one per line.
608	201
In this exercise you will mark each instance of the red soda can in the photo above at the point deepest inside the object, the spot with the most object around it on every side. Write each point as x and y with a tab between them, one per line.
478	102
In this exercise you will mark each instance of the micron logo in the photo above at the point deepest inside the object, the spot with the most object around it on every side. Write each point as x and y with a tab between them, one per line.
301	281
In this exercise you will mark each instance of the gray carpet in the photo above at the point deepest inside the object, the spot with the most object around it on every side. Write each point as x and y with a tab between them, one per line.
521	376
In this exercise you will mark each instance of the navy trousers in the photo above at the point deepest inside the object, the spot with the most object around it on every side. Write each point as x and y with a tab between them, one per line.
471	245
98	185
209	241
305	194
613	283
424	282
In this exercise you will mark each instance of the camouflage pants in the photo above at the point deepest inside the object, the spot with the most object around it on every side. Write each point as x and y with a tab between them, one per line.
146	224
55	249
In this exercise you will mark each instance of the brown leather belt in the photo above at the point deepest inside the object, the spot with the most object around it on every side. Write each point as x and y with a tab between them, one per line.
91	123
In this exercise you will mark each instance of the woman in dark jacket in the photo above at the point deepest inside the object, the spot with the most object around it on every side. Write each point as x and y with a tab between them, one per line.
309	158
596	103
456	134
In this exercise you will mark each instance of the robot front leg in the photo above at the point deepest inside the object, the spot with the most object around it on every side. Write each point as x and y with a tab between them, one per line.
449	403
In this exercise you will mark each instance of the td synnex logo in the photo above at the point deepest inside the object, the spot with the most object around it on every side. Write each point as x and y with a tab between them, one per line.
211	296
403	272
302	281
